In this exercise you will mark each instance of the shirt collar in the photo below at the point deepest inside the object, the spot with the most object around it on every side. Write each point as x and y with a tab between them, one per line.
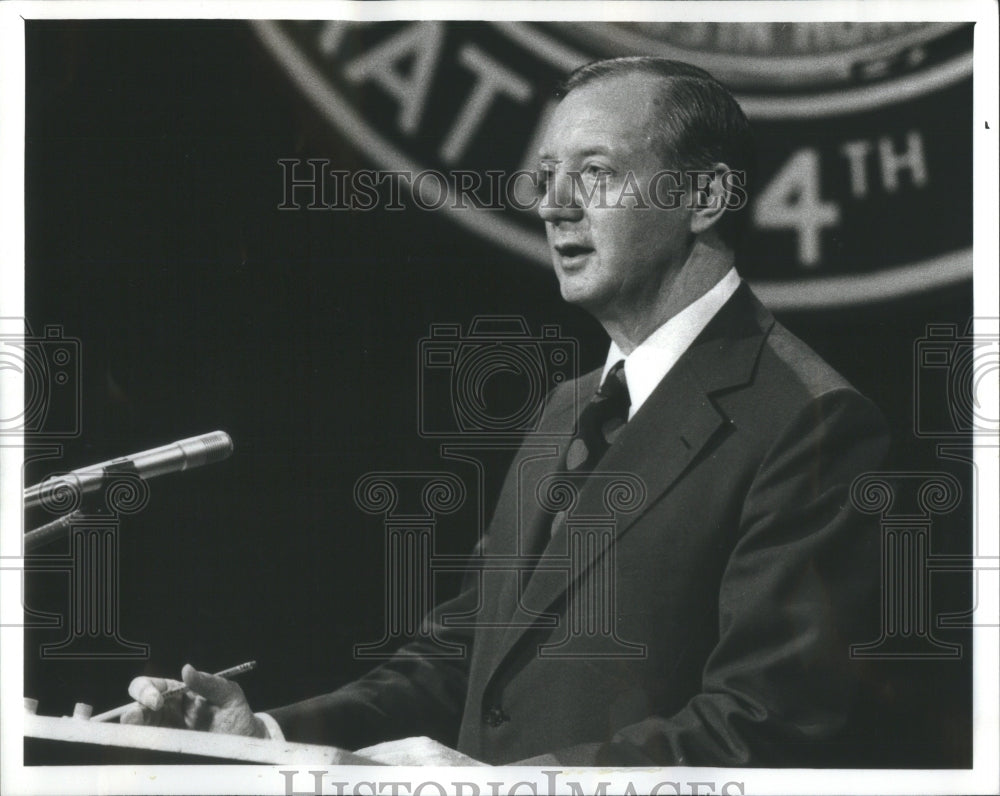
646	366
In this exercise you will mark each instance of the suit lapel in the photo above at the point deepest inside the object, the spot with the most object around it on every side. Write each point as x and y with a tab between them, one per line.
659	443
562	417
518	500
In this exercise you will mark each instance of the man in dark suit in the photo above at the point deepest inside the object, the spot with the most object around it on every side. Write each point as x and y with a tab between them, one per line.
737	575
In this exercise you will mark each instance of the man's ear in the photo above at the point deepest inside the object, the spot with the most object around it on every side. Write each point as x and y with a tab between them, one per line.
709	195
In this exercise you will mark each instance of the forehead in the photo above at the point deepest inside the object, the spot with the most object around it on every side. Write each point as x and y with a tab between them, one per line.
614	112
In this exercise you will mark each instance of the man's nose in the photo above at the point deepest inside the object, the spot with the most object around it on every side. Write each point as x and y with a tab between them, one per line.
560	200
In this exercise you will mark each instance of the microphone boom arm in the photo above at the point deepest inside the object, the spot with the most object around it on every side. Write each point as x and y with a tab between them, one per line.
184	454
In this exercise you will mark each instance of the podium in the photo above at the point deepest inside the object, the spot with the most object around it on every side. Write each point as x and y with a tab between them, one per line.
79	741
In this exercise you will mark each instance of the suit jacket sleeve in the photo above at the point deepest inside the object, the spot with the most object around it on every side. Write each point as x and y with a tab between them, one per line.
417	692
796	591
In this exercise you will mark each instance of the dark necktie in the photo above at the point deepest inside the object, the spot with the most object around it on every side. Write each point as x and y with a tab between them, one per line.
599	425
601	421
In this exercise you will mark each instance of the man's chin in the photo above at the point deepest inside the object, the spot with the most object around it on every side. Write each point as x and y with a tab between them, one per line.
579	294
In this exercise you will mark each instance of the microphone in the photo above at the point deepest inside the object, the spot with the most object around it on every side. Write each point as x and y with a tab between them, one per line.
184	454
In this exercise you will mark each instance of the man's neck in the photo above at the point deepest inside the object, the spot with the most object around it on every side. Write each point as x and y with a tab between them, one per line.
705	266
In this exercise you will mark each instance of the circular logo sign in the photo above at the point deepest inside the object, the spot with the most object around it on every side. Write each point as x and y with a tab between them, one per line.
864	190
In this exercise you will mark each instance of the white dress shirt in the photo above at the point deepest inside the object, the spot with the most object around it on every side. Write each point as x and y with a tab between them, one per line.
646	366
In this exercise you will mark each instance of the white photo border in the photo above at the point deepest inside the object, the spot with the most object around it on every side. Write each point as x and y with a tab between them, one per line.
984	777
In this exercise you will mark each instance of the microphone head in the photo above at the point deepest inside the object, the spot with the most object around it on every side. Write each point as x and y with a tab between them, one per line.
206	448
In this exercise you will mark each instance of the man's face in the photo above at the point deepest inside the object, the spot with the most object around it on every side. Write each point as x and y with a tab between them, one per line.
612	257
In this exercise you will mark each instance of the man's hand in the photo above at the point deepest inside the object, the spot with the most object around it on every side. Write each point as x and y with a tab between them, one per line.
418	751
209	703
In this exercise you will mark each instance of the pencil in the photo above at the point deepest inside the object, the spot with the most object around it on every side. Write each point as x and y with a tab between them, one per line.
229	674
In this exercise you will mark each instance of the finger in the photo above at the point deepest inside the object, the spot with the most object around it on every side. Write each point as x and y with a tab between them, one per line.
148	691
160	683
217	690
198	712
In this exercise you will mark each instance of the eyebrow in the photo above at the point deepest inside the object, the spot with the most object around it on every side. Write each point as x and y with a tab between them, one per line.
598	149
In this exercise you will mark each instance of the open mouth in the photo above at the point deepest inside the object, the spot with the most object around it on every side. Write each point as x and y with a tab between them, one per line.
569	251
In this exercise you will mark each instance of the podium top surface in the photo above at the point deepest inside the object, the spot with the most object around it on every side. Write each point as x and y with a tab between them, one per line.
187	742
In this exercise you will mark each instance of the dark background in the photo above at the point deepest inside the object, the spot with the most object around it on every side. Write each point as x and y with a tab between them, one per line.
153	237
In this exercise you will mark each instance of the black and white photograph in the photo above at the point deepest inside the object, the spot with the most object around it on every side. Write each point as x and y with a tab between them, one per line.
499	398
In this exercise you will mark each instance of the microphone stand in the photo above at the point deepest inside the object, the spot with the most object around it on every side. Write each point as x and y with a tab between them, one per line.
44	534
92	616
